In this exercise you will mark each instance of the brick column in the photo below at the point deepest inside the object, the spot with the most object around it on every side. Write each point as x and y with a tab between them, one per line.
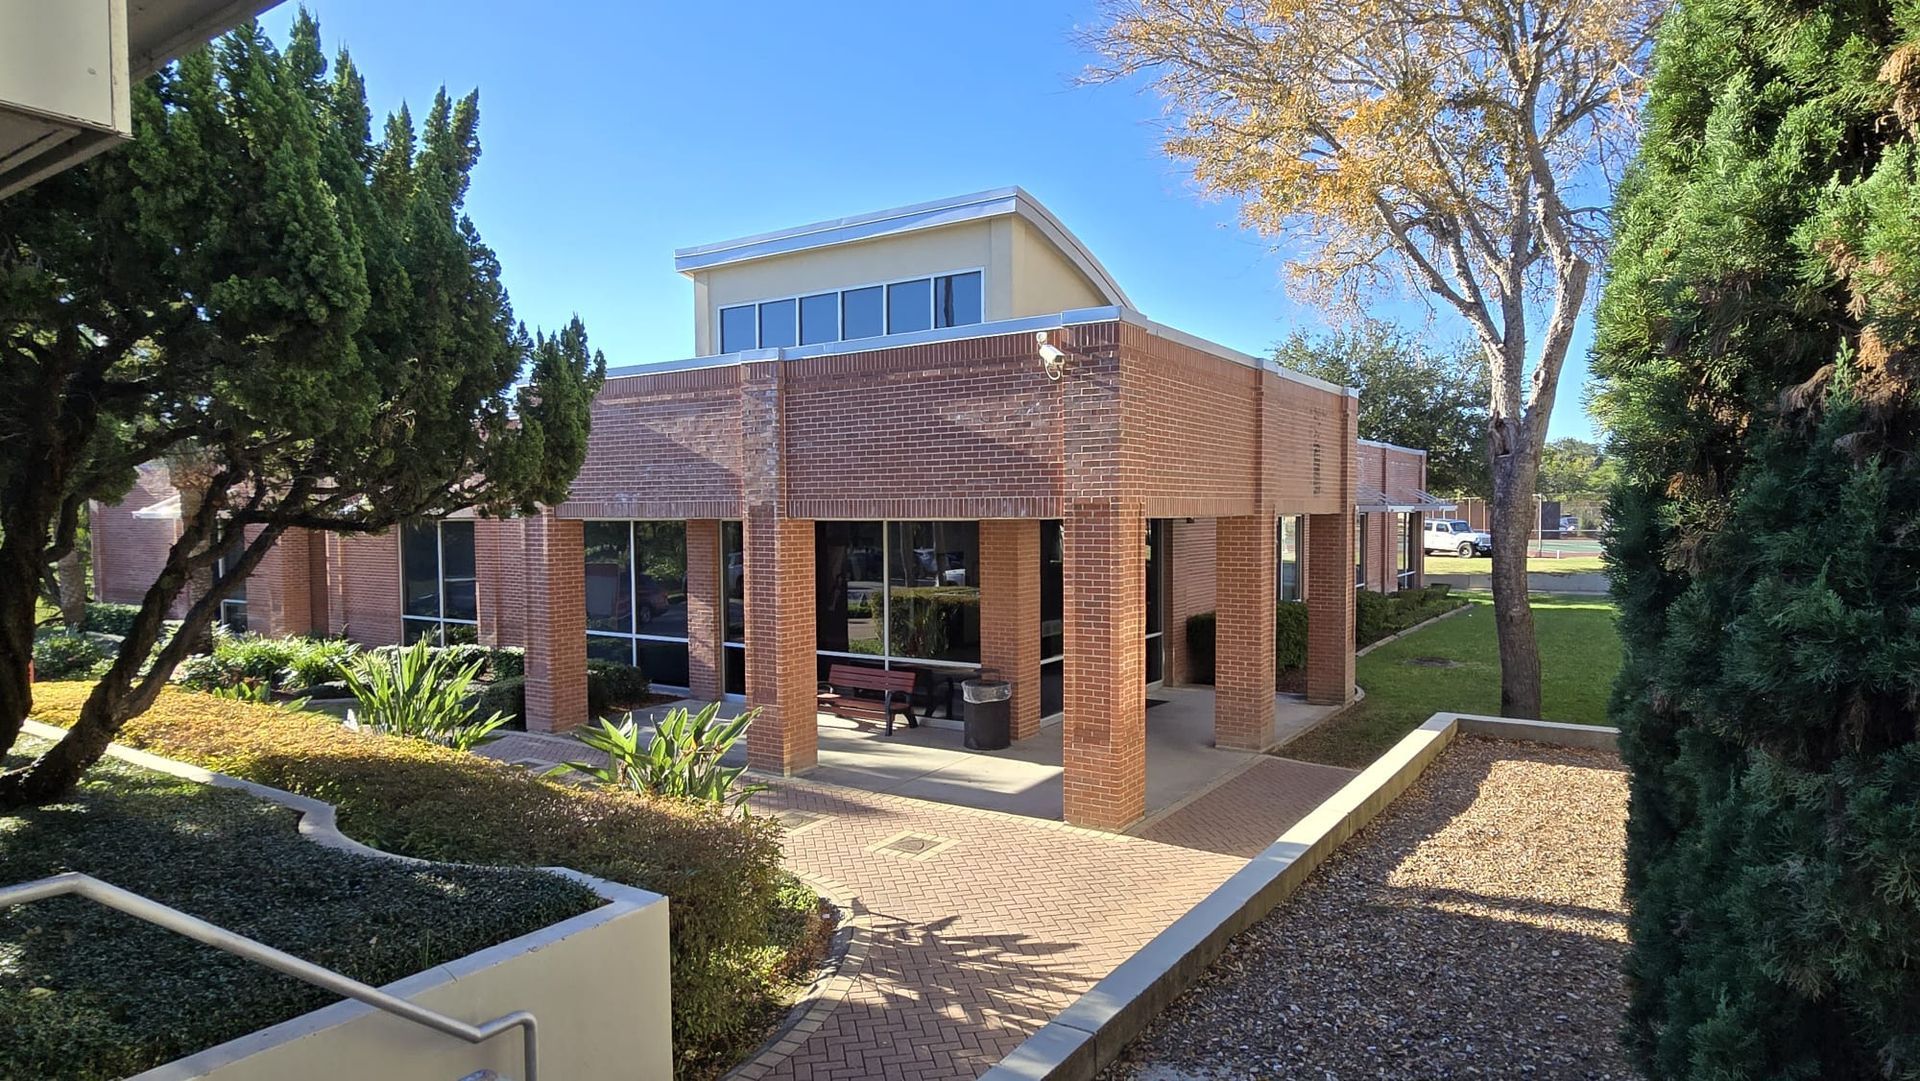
1243	708
1105	730
705	663
279	595
556	597
781	675
1010	612
1330	608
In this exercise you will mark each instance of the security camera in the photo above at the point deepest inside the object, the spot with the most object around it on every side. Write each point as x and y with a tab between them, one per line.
1052	357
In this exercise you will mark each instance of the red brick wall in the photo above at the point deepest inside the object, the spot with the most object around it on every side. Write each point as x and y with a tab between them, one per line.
1244	662
663	446
128	552
781	675
556	590
279	596
1010	612
705	665
363	587
1190	588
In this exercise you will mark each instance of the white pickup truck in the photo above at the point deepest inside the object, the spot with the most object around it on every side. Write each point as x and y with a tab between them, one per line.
1455	536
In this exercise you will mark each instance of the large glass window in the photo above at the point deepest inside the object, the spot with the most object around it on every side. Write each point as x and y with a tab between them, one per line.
863	313
909	306
950	300
1290	558
1053	614
779	324
733	568
1156	586
1360	551
636	591
907	592
233	610
438	584
738	328
956	300
820	319
1406	526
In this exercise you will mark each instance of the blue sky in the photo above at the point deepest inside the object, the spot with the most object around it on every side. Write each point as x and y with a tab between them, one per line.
613	133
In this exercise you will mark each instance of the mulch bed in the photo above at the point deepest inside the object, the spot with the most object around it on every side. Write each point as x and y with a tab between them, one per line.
1476	929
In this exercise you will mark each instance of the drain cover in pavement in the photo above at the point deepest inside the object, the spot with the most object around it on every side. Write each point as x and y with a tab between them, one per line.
914	846
799	821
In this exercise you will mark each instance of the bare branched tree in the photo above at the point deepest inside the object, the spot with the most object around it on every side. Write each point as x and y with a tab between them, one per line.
1442	144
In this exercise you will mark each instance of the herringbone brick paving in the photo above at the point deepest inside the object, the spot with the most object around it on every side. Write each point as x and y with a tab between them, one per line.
1244	814
973	949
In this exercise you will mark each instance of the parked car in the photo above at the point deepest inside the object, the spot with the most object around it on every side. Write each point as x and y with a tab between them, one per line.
1456	536
1569	523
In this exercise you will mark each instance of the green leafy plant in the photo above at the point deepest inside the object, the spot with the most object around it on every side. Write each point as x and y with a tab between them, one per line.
66	656
114	619
418	694
682	759
610	684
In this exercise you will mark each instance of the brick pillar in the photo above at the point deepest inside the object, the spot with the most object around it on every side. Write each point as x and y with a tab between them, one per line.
1330	608
1010	612
1105	730
556	599
279	595
781	674
489	568
705	663
1243	707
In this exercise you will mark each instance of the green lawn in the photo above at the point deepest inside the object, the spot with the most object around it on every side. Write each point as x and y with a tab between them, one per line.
1581	564
1579	654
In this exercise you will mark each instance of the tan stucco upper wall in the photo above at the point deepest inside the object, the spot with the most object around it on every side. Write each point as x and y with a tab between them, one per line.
1024	274
1044	280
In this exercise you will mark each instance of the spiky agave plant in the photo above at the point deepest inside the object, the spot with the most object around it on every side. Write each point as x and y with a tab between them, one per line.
418	693
682	759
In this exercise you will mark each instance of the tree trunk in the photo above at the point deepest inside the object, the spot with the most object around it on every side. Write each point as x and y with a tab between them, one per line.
17	598
1511	517
72	573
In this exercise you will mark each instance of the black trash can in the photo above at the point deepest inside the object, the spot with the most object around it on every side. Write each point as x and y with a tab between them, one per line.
989	713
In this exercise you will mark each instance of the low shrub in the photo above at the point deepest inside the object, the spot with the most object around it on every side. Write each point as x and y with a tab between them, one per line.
722	871
59	655
507	697
681	758
279	664
87	993
611	684
498	663
114	619
1376	616
419	693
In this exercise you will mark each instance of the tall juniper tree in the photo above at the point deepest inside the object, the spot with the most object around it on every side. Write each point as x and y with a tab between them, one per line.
257	287
1758	346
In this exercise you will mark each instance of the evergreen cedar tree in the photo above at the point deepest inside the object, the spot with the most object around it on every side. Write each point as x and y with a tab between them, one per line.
1758	344
301	320
1411	395
1450	145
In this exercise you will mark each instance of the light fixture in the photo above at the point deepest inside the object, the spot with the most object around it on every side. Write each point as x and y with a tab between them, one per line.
1052	357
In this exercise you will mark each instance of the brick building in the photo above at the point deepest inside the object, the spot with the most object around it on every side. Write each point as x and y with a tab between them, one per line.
937	437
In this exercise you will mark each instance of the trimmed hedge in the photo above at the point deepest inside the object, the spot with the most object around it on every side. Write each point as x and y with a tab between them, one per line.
1376	616
508	696
610	684
88	994
280	664
114	619
722	871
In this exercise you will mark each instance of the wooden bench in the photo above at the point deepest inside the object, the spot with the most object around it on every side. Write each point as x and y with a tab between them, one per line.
851	690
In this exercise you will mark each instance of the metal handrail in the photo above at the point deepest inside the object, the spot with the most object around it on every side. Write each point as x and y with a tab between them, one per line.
172	919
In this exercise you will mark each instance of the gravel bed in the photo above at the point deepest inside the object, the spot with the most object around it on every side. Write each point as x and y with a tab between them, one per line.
1474	930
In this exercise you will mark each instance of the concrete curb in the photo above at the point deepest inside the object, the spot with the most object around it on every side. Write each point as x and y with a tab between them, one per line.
1420	626
1088	1035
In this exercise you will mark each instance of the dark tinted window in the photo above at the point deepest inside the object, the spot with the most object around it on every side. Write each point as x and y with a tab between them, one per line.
820	319
777	325
860	313
456	570
956	300
737	329
420	570
609	577
909	306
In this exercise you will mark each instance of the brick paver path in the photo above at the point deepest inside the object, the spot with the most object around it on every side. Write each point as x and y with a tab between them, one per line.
973	947
1244	814
977	927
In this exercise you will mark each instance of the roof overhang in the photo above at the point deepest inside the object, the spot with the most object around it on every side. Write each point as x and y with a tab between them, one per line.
1000	202
66	68
1370	500
164	510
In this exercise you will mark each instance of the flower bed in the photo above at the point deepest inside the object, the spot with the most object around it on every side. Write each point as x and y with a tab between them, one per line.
732	931
88	993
